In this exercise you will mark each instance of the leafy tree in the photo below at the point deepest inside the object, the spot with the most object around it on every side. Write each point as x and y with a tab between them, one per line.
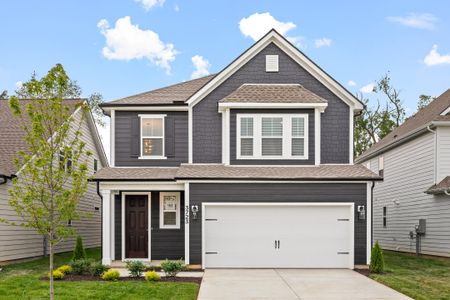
46	192
424	100
79	252
375	122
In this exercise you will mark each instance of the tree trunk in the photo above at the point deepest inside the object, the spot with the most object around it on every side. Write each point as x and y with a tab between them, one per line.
52	292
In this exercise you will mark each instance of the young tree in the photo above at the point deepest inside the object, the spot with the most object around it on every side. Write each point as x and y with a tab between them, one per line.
424	100
53	171
375	122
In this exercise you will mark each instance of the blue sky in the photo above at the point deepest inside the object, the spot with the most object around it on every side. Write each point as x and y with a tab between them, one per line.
156	45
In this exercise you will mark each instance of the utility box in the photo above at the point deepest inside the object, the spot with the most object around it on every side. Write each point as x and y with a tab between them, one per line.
421	228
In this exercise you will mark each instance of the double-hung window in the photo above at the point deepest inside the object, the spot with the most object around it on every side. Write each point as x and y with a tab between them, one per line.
152	136
169	208
272	136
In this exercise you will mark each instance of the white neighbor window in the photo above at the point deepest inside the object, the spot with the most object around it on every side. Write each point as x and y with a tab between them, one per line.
169	210
152	136
272	136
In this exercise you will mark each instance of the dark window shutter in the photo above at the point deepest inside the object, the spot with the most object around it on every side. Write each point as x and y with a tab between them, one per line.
135	136
169	135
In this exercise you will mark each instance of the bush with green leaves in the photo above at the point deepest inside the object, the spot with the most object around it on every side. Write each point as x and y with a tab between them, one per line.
97	268
152	276
111	275
57	275
81	266
172	267
79	252
377	259
65	269
135	267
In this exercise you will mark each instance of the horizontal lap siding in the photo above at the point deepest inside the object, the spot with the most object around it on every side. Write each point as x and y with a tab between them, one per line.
233	141
283	192
408	172
18	243
127	139
207	122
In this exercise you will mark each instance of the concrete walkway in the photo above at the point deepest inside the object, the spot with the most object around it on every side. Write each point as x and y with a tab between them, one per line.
292	284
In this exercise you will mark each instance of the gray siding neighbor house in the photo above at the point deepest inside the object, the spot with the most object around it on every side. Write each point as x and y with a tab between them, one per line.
21	243
414	160
251	167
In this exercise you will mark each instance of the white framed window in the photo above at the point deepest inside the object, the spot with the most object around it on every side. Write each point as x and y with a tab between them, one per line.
381	165
169	210
272	136
152	136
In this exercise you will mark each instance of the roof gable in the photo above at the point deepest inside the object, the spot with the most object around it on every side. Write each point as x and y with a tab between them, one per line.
298	56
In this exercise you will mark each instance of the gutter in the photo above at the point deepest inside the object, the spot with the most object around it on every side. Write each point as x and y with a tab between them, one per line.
101	217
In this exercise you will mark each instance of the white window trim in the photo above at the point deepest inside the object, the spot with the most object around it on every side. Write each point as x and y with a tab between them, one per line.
257	136
380	162
150	116
161	210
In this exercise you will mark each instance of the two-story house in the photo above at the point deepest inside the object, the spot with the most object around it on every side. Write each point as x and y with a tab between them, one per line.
412	204
250	167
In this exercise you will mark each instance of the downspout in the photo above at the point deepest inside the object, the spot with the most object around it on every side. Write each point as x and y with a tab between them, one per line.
435	152
371	213
101	216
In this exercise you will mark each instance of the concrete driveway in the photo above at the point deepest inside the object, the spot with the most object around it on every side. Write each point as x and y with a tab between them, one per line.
284	284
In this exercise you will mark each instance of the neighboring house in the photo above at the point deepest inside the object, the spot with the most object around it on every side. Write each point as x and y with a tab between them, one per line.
251	167
18	242
414	160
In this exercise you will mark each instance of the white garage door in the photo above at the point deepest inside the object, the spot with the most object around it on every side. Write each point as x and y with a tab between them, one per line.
278	235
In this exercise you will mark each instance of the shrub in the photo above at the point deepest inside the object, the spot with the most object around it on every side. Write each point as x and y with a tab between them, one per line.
152	276
135	267
81	266
79	252
57	275
172	267
65	269
111	275
97	268
376	259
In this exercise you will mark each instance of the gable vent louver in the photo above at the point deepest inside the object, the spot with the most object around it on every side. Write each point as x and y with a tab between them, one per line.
271	63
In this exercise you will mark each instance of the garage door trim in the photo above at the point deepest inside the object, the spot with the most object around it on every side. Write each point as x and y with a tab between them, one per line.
350	205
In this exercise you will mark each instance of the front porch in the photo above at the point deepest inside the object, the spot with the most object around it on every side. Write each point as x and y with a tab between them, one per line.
144	221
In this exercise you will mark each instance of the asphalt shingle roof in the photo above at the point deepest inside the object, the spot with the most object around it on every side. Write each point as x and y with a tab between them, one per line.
417	122
150	173
439	188
272	93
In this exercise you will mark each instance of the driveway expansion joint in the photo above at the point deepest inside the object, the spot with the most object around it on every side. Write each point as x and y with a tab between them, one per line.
290	287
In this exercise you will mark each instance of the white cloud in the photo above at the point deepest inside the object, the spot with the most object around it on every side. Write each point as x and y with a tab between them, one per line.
105	136
257	25
201	66
351	83
298	41
127	41
323	42
19	84
420	21
176	8
149	4
367	88
434	58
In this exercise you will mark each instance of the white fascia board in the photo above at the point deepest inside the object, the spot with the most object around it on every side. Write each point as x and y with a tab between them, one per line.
244	105
142	185
441	123
276	181
294	53
446	111
107	110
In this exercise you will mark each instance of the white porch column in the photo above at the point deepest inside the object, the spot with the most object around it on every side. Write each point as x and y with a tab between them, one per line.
187	209
106	226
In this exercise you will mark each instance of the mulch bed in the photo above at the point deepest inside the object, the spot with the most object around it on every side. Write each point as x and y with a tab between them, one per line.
197	280
364	272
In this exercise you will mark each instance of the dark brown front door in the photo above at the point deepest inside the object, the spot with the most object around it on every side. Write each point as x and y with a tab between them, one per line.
136	226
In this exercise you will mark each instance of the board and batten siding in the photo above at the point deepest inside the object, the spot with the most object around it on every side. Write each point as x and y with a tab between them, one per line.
443	153
408	172
276	192
19	243
128	139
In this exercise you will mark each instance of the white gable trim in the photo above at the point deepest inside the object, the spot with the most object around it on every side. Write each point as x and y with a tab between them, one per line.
273	105
294	53
446	111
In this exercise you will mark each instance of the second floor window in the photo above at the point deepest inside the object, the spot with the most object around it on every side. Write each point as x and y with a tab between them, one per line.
269	136
152	136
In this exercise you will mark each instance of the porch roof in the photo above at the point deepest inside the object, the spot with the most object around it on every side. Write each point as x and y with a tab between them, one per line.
439	188
135	174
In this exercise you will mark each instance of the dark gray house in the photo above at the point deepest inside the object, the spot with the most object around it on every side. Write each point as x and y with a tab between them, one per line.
250	167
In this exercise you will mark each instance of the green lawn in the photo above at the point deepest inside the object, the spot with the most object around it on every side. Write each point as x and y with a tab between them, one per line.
424	278
21	281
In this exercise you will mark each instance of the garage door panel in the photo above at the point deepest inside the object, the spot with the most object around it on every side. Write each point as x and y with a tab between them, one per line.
309	236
